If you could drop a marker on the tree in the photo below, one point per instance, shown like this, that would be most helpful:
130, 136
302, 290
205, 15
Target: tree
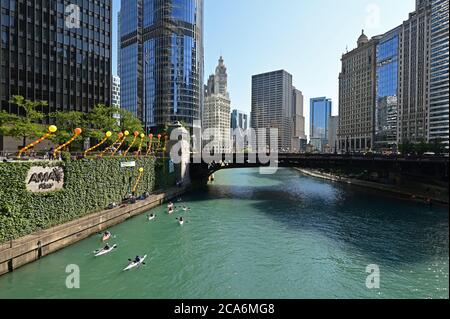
129, 122
29, 124
66, 123
101, 119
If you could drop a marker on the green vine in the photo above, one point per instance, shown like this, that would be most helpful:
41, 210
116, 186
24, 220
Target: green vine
89, 186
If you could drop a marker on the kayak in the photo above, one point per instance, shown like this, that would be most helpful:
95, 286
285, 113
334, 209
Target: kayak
171, 211
181, 222
151, 218
102, 251
134, 264
106, 237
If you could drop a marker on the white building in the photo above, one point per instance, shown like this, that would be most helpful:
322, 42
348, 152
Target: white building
115, 96
216, 112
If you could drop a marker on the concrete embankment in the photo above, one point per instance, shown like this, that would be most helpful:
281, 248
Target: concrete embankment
394, 189
27, 249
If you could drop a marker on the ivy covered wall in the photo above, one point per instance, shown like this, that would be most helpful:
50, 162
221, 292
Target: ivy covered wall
89, 186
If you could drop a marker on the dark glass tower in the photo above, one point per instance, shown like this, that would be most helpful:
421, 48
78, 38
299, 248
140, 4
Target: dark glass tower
46, 55
161, 60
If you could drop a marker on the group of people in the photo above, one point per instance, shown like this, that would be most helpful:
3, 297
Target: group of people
171, 209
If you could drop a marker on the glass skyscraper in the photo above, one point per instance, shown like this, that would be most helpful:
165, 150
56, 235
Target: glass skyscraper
386, 109
239, 119
161, 60
320, 113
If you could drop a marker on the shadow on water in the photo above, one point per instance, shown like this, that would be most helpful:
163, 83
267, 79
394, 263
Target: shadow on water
378, 226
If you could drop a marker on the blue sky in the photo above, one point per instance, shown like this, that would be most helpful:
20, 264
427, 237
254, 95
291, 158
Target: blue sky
304, 37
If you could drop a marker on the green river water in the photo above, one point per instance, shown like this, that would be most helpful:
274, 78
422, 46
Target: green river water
259, 236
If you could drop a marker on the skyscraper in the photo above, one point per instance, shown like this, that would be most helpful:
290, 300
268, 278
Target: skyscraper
272, 107
216, 112
332, 144
161, 60
298, 119
320, 113
56, 52
413, 99
357, 96
386, 110
439, 72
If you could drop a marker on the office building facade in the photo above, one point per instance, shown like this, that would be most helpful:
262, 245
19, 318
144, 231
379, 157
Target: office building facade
272, 109
413, 93
57, 52
320, 113
298, 119
439, 72
357, 96
386, 109
161, 60
332, 140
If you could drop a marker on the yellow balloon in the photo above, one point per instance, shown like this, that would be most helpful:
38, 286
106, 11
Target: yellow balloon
108, 134
142, 135
126, 133
141, 169
52, 128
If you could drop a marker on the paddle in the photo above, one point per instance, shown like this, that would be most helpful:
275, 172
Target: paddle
142, 263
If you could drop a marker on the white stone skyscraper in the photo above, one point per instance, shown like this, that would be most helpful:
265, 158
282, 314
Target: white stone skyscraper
216, 113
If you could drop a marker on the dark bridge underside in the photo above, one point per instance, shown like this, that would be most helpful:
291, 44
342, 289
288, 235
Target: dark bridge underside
422, 169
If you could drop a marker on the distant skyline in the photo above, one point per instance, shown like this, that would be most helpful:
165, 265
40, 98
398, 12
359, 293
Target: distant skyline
305, 38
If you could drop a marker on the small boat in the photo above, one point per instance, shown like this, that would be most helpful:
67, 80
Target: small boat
135, 264
103, 251
106, 236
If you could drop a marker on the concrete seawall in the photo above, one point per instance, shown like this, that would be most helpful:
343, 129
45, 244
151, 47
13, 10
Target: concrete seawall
377, 186
34, 246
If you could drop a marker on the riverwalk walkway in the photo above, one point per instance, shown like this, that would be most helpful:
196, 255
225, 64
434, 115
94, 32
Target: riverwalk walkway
16, 253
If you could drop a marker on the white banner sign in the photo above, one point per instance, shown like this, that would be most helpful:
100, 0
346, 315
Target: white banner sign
128, 164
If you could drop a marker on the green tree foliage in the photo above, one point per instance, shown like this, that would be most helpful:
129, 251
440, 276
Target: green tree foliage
102, 119
28, 125
422, 147
129, 122
66, 123
94, 124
